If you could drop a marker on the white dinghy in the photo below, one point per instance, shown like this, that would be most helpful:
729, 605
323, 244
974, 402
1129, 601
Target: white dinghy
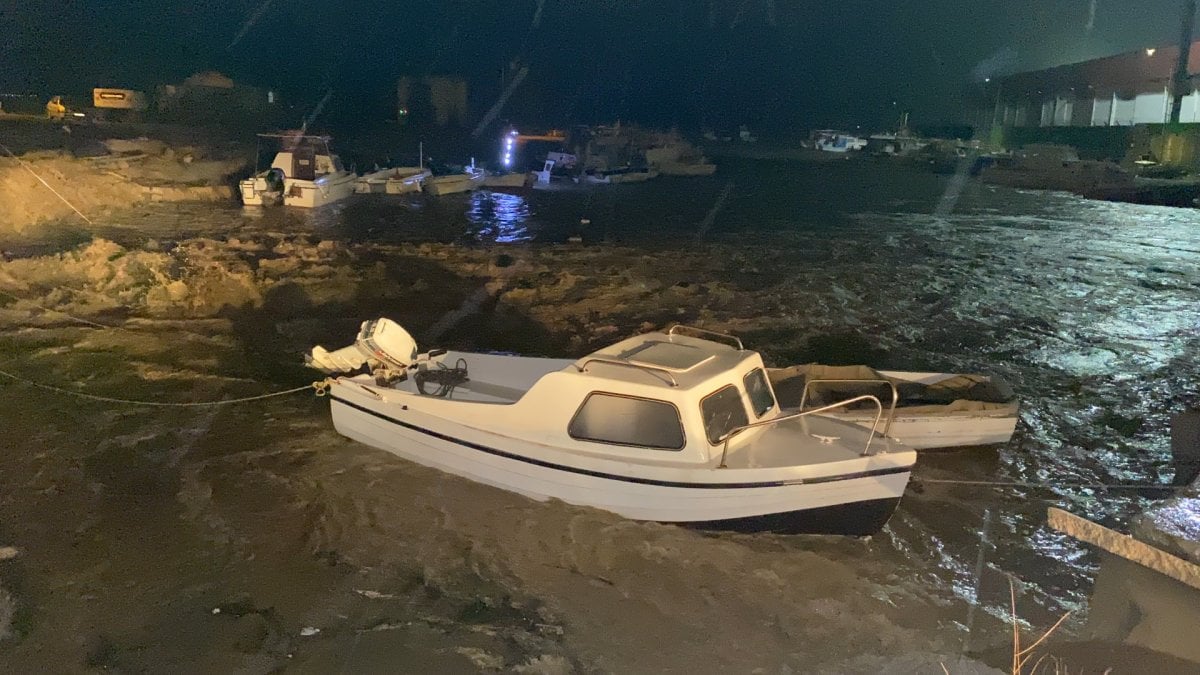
660, 427
931, 410
397, 180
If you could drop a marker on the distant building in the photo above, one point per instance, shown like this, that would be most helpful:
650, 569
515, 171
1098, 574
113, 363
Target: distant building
1122, 90
212, 98
432, 100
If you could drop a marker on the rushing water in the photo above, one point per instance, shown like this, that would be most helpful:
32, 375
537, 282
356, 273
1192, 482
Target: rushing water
1090, 309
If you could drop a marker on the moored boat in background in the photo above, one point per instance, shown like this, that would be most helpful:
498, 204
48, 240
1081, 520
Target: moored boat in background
305, 173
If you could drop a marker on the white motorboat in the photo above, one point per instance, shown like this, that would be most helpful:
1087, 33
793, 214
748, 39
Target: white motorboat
666, 427
394, 181
932, 410
470, 179
304, 173
510, 181
833, 141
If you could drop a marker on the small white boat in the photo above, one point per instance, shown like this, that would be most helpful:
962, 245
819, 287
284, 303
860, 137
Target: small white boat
932, 410
305, 174
470, 179
507, 180
394, 181
407, 179
660, 427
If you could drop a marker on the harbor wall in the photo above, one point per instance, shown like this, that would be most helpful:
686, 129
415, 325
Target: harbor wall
1136, 605
1176, 145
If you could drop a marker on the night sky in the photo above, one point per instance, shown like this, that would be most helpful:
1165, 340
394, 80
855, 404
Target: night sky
781, 64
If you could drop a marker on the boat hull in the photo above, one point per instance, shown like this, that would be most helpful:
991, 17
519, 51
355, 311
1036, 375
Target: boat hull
857, 503
299, 193
315, 194
857, 519
448, 185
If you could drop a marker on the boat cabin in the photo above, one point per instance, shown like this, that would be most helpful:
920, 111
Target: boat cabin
306, 164
662, 397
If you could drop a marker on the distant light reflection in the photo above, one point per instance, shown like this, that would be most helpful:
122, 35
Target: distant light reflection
499, 216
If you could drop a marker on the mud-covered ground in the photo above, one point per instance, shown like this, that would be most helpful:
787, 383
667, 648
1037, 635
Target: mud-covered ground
250, 536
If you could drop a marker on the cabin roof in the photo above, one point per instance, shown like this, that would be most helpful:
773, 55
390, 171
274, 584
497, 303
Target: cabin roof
657, 359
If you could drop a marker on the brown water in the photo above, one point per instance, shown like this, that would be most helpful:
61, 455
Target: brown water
135, 524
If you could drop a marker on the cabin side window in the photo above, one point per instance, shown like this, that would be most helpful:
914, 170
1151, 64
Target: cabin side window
723, 412
627, 420
759, 391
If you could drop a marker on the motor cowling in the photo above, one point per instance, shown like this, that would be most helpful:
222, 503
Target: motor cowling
381, 343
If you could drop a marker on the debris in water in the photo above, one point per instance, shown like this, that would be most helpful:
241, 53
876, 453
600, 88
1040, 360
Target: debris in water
8, 552
309, 631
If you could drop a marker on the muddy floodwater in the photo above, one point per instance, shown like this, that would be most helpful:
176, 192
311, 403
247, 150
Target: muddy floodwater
252, 538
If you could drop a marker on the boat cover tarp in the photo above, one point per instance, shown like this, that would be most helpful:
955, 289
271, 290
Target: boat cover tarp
955, 393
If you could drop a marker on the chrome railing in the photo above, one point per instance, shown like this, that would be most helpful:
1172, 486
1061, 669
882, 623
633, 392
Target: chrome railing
627, 364
891, 410
705, 331
784, 418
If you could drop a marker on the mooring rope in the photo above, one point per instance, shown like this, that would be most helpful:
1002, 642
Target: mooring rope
1045, 486
72, 317
320, 386
28, 168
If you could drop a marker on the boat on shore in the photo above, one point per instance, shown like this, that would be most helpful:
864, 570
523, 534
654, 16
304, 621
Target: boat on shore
680, 426
304, 173
929, 410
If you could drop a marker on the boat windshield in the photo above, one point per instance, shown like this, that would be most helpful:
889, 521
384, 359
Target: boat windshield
723, 412
761, 398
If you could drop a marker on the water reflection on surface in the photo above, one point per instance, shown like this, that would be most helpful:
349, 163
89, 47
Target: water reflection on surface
499, 216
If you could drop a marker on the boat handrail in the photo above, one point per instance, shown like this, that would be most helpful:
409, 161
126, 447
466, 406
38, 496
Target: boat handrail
784, 418
627, 364
891, 411
735, 338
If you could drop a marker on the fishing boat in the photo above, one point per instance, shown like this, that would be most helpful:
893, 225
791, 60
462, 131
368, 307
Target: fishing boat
394, 181
930, 410
304, 173
469, 179
679, 426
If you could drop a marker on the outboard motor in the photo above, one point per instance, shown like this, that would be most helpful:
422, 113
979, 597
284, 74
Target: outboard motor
381, 344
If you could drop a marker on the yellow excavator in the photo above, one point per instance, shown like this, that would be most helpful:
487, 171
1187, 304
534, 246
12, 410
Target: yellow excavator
57, 110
